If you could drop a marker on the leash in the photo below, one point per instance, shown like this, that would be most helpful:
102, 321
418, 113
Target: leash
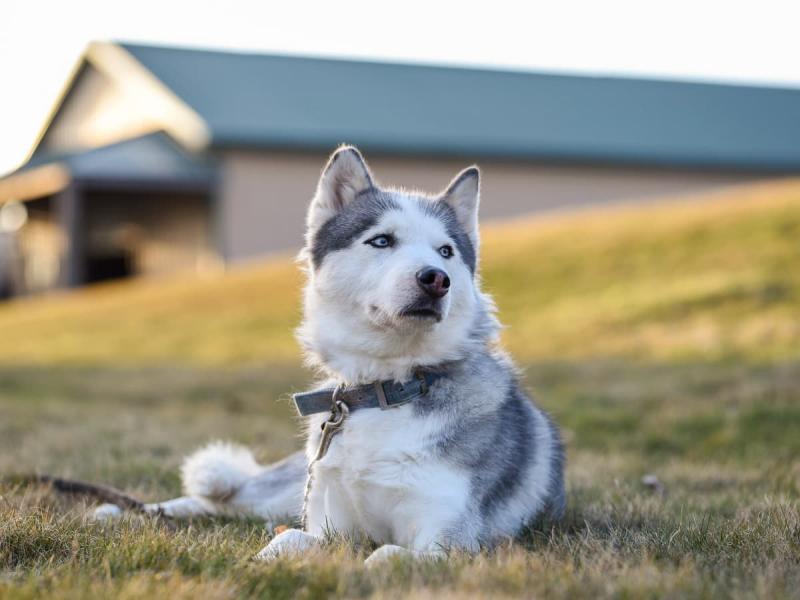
104, 493
332, 425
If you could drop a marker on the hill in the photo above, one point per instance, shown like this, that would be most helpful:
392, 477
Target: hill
708, 277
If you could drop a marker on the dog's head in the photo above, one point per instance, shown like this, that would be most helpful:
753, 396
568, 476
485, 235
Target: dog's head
391, 272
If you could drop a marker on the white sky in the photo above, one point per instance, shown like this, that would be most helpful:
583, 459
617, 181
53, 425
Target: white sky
727, 40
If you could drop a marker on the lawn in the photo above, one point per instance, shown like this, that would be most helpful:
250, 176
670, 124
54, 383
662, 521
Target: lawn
664, 339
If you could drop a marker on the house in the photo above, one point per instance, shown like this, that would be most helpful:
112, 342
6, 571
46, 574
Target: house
160, 159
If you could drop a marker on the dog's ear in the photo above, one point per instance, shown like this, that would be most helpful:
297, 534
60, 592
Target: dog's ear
463, 196
344, 177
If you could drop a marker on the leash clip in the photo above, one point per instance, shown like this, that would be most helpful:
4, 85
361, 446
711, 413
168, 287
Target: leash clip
333, 424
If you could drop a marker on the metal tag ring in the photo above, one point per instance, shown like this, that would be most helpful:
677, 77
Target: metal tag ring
342, 410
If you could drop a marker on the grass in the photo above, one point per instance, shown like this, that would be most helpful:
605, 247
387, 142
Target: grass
665, 340
718, 279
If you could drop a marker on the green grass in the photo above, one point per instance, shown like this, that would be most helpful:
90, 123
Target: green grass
664, 340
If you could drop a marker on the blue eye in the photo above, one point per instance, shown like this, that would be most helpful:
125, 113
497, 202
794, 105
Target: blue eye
446, 251
381, 241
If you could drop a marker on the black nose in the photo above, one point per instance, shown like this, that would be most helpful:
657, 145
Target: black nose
433, 281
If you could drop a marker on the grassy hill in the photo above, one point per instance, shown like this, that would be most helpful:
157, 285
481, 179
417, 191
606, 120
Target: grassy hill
664, 340
708, 278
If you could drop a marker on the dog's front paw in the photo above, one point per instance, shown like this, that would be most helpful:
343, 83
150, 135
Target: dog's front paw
386, 553
291, 542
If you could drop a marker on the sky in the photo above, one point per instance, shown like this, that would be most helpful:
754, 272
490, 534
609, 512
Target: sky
729, 40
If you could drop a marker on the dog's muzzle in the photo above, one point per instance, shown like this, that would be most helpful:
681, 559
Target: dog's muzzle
424, 308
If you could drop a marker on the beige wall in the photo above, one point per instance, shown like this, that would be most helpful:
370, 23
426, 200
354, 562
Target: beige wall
41, 246
263, 195
162, 232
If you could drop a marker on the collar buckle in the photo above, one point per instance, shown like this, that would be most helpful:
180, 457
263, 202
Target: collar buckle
423, 382
381, 394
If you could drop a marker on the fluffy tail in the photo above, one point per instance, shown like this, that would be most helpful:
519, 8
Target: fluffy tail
229, 476
218, 471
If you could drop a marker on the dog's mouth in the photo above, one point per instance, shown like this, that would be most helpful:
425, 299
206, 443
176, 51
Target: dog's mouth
420, 312
423, 311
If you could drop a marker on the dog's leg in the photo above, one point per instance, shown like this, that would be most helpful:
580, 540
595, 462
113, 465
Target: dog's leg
225, 480
275, 494
434, 534
386, 553
229, 479
328, 512
389, 551
177, 508
182, 508
291, 543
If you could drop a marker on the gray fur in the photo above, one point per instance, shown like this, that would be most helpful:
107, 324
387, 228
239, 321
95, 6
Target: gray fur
445, 213
500, 471
346, 175
468, 173
493, 433
282, 478
339, 232
557, 502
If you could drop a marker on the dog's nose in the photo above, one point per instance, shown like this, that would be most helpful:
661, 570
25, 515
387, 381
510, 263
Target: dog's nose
433, 281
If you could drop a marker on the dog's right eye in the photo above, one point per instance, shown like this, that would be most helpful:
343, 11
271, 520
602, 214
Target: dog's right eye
381, 241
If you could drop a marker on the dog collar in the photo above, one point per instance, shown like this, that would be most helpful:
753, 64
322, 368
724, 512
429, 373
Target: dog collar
380, 394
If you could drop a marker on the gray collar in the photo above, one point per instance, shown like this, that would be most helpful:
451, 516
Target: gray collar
380, 394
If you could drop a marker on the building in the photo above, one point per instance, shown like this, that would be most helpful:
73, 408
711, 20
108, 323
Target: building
161, 159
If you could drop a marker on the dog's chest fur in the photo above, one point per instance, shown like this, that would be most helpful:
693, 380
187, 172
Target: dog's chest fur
384, 475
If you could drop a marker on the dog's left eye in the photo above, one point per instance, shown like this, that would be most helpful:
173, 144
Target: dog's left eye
381, 241
446, 251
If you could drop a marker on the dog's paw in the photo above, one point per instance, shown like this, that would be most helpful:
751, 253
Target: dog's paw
106, 512
386, 553
291, 543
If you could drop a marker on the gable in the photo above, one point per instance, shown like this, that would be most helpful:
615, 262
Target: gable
95, 112
111, 98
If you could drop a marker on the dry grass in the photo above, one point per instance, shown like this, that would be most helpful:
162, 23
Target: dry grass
697, 279
665, 340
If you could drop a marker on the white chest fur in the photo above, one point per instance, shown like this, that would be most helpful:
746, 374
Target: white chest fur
382, 476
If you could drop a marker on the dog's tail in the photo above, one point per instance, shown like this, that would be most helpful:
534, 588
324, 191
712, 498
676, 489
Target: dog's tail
229, 476
217, 471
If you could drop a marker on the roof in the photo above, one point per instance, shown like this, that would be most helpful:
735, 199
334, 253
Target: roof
149, 160
310, 103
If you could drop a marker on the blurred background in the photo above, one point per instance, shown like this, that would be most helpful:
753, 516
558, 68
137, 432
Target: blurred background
155, 140
640, 232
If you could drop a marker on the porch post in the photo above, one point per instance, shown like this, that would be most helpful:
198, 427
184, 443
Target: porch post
70, 212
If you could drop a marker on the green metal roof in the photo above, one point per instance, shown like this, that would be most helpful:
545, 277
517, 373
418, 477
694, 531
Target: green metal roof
149, 159
310, 103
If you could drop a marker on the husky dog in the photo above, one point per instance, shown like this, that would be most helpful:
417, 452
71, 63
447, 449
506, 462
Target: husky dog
439, 447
